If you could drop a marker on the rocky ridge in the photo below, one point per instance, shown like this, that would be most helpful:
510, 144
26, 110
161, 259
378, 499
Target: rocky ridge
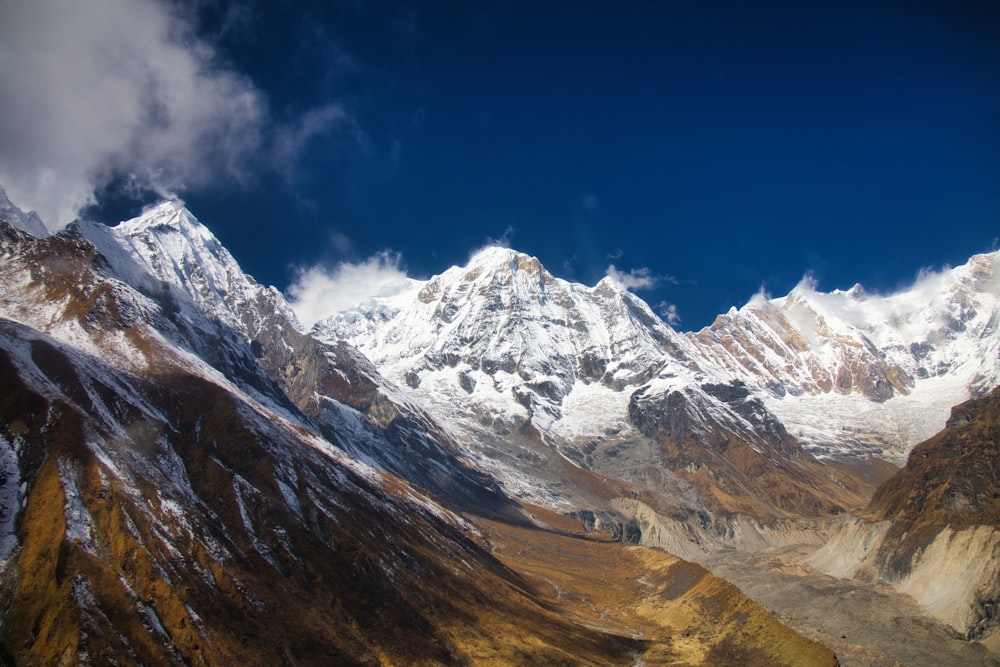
167, 251
512, 344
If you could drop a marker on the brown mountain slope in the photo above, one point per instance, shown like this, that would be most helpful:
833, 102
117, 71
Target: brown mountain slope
682, 614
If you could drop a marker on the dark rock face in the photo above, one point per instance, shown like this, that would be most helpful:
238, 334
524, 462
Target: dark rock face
661, 418
707, 417
737, 396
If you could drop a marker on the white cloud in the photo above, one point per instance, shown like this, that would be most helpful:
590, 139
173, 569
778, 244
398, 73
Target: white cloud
668, 311
319, 292
641, 278
91, 88
106, 88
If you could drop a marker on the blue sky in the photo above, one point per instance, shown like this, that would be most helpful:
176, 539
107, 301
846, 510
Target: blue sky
704, 150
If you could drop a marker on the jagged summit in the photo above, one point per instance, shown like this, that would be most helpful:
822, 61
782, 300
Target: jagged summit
167, 247
170, 230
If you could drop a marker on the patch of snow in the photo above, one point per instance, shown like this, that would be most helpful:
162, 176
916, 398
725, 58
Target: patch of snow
79, 523
150, 619
290, 498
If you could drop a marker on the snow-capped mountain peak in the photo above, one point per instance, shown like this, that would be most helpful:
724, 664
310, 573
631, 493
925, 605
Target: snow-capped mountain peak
500, 345
496, 255
503, 312
168, 248
181, 250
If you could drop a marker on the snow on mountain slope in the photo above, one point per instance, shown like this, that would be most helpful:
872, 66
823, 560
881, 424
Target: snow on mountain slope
540, 377
157, 512
504, 334
850, 372
521, 365
169, 245
534, 375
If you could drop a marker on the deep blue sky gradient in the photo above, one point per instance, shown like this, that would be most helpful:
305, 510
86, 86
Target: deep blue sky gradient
725, 146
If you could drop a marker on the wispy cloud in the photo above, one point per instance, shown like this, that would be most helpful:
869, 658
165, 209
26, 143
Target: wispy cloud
569, 265
642, 278
126, 88
289, 141
319, 292
638, 279
668, 311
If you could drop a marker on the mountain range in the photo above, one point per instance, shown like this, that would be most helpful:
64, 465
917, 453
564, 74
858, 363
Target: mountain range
491, 465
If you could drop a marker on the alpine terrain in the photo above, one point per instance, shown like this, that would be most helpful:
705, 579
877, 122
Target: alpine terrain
492, 466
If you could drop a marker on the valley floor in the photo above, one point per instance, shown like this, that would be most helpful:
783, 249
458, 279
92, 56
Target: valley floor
867, 625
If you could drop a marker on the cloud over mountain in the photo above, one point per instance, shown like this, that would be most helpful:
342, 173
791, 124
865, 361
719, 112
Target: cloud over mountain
319, 292
641, 278
127, 88
115, 86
